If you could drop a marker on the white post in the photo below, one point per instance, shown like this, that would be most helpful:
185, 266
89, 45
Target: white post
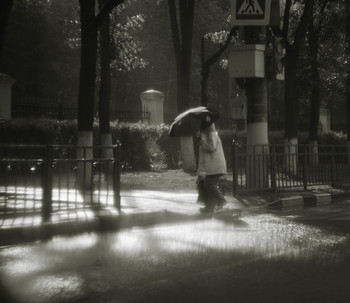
152, 101
257, 155
188, 158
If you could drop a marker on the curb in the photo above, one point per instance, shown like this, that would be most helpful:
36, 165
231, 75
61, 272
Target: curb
305, 201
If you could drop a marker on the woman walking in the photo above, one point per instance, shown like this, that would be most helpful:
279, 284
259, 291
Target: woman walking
211, 166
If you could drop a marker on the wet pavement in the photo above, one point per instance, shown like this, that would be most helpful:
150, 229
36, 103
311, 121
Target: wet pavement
139, 207
144, 207
171, 253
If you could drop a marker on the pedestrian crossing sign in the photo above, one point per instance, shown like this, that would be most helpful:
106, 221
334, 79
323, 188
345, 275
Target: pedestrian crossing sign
250, 12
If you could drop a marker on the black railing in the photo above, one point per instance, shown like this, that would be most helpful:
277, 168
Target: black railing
276, 167
50, 111
37, 179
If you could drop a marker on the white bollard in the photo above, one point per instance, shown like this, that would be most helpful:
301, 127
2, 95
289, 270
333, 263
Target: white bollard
152, 102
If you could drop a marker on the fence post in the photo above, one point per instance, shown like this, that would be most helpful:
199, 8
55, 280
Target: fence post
234, 168
47, 184
305, 166
116, 176
333, 166
273, 168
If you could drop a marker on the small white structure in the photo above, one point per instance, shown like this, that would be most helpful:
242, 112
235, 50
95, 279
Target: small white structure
6, 83
152, 102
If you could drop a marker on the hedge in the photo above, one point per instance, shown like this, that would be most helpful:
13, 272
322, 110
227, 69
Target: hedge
144, 146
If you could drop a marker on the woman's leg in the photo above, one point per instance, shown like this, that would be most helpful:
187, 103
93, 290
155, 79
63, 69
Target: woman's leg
202, 194
215, 197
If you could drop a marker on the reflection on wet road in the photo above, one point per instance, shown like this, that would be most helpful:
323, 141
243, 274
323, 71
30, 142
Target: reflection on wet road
210, 260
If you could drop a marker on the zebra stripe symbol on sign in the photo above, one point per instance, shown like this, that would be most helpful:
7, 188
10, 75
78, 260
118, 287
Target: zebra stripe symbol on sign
251, 12
250, 7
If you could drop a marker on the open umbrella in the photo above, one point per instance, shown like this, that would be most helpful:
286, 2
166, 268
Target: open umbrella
190, 121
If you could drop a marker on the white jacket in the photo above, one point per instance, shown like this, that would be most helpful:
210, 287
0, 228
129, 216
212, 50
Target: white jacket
211, 159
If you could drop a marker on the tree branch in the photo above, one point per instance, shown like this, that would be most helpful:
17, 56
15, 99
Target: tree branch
183, 19
302, 28
106, 9
190, 17
285, 27
174, 28
210, 61
218, 54
323, 8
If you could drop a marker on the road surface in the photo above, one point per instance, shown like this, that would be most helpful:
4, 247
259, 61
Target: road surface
294, 256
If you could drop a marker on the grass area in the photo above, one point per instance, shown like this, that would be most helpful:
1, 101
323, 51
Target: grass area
166, 180
162, 180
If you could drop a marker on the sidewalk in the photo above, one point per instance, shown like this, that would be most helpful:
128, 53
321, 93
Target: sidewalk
144, 207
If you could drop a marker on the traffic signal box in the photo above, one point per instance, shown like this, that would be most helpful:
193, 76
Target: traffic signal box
275, 58
278, 53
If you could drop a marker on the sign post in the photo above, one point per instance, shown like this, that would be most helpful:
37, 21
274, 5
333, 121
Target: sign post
257, 127
253, 16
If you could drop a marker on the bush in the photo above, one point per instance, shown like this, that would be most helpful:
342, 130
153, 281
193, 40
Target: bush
144, 146
37, 131
332, 138
140, 150
336, 138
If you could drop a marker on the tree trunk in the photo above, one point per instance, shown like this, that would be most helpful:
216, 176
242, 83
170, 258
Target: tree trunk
205, 76
315, 90
183, 88
5, 9
257, 134
105, 85
290, 94
315, 93
87, 66
347, 53
291, 122
86, 88
182, 40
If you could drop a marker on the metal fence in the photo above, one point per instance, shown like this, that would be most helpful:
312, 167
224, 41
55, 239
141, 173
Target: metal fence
50, 111
42, 180
276, 167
